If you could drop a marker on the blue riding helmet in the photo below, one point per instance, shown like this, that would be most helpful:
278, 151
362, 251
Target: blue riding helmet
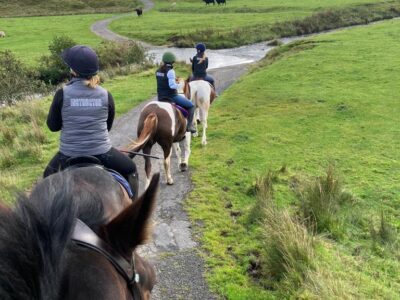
82, 59
201, 47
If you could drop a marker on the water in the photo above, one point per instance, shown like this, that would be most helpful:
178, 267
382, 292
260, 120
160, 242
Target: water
223, 57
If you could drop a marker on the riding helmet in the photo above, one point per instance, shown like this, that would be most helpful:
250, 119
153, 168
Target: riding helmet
201, 47
82, 59
168, 58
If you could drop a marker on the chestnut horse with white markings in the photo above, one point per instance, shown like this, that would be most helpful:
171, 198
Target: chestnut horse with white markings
201, 93
164, 124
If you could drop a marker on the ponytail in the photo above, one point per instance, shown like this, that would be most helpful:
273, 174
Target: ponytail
93, 81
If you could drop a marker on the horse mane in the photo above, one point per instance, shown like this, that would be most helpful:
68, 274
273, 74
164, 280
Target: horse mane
35, 233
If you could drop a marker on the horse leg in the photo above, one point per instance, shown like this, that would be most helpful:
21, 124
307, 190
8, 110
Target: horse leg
147, 164
186, 152
178, 152
204, 123
167, 165
196, 118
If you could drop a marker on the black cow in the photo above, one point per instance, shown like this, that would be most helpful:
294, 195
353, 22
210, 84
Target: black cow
139, 11
221, 2
209, 2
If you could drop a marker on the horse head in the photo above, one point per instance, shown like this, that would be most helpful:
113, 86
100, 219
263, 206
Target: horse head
39, 257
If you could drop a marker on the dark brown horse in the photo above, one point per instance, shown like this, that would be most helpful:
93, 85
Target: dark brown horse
162, 123
43, 254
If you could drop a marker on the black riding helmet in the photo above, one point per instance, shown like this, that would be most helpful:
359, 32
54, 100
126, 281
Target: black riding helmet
82, 59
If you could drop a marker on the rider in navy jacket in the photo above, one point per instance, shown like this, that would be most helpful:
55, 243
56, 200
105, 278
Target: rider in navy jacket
200, 65
167, 88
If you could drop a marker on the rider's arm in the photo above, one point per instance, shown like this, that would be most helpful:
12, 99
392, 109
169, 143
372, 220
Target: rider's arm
54, 118
206, 63
171, 80
111, 111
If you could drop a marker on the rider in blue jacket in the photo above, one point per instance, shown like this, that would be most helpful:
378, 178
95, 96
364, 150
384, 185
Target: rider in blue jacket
167, 88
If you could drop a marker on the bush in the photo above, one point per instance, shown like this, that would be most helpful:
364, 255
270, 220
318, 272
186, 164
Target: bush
320, 203
16, 80
52, 69
113, 54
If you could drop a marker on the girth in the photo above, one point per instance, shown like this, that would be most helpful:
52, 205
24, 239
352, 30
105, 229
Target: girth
85, 237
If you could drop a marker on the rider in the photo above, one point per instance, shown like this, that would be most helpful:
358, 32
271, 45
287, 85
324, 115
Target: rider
167, 88
200, 65
84, 112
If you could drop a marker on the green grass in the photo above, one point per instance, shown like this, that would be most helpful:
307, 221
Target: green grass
29, 37
241, 21
56, 7
330, 100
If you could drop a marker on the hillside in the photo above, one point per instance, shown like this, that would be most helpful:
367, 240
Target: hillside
57, 7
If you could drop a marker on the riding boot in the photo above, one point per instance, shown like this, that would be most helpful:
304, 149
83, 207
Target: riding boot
133, 180
190, 126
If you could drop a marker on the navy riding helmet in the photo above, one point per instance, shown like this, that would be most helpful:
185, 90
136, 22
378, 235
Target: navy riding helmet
201, 47
82, 59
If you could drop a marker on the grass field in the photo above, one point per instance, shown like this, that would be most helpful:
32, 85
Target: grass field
331, 100
65, 7
241, 21
29, 37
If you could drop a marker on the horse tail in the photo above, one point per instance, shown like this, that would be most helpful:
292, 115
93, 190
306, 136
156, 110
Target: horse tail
149, 129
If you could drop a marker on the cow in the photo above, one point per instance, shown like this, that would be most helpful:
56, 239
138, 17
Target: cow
139, 11
209, 2
221, 2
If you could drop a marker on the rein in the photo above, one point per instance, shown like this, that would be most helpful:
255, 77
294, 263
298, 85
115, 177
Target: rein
85, 237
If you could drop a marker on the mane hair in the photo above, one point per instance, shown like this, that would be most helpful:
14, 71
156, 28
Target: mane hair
34, 234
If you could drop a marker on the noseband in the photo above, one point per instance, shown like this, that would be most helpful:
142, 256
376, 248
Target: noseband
85, 237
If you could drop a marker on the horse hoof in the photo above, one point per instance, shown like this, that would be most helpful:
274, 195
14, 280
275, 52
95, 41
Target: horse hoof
203, 143
183, 167
195, 134
170, 182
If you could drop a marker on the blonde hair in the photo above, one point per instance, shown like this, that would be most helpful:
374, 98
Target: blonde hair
203, 58
93, 81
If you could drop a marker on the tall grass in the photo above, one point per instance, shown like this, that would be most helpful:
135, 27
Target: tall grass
320, 204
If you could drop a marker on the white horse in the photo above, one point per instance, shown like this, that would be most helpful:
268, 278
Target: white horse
200, 92
2, 34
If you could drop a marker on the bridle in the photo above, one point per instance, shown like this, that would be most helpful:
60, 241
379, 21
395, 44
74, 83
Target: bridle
85, 237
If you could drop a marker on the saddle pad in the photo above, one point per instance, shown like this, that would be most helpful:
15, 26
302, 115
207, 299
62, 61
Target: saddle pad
184, 112
121, 180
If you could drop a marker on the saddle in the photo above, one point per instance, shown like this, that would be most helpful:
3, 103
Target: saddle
184, 111
91, 161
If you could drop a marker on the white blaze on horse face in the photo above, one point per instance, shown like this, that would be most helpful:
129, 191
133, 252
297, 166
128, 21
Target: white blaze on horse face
169, 109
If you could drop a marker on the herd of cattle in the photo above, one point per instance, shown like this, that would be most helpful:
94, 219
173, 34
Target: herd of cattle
213, 2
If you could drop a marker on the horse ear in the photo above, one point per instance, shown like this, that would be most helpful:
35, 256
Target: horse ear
130, 228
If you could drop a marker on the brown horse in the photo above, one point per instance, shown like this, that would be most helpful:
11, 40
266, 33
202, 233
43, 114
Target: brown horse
74, 238
164, 124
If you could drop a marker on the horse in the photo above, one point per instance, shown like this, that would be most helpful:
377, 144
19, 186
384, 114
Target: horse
2, 34
221, 2
162, 123
201, 93
209, 2
139, 11
74, 237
